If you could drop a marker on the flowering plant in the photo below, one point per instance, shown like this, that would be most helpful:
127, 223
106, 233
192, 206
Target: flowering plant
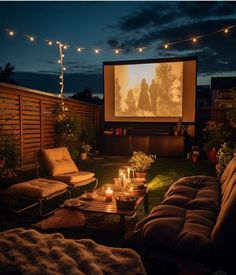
225, 154
85, 148
140, 161
215, 134
8, 176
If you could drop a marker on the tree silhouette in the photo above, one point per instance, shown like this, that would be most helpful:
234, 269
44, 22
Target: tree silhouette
7, 73
87, 96
118, 97
165, 80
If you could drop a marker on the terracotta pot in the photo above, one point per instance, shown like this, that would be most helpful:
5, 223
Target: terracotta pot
212, 156
83, 156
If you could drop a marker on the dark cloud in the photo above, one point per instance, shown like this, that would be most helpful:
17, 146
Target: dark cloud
176, 21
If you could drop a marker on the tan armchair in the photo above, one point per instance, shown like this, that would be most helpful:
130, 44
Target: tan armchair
59, 166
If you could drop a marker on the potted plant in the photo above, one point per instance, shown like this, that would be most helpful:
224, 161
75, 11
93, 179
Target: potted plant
10, 156
225, 154
231, 113
141, 163
84, 150
214, 134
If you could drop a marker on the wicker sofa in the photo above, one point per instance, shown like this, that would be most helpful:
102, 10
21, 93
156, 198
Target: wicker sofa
196, 220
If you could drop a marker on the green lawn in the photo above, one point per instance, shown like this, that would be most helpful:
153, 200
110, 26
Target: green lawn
160, 176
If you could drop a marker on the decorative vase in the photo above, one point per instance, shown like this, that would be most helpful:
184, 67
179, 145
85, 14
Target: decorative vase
83, 156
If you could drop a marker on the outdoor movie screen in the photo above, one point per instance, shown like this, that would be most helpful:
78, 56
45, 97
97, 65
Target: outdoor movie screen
150, 90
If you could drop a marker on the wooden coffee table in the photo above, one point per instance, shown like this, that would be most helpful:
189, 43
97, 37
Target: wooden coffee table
99, 205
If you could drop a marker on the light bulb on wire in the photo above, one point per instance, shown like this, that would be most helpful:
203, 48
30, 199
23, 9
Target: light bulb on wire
11, 33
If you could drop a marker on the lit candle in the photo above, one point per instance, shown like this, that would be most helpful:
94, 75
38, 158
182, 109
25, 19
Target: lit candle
128, 171
109, 194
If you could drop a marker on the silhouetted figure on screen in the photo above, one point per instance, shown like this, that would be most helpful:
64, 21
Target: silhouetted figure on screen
153, 96
144, 101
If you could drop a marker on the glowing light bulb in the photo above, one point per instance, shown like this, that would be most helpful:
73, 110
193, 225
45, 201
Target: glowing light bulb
58, 42
117, 51
50, 43
194, 40
63, 55
140, 50
226, 30
97, 51
60, 77
61, 83
31, 38
79, 49
59, 61
64, 68
166, 46
66, 109
59, 95
11, 33
65, 47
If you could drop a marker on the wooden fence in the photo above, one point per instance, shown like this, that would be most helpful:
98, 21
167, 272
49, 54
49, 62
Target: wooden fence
30, 115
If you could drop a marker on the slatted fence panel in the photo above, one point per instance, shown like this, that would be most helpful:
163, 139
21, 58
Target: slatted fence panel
31, 116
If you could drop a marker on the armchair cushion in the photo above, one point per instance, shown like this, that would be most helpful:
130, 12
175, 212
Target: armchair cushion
37, 188
58, 161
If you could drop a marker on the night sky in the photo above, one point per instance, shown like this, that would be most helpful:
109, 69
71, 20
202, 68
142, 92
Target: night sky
108, 25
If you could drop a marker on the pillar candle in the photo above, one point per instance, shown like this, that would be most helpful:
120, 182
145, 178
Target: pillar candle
109, 194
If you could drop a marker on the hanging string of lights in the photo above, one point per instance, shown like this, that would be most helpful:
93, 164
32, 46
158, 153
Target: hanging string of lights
61, 47
64, 46
166, 45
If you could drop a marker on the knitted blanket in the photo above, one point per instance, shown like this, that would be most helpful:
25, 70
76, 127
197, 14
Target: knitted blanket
30, 252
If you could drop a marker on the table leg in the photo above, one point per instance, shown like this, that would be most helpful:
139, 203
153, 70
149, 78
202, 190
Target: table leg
146, 203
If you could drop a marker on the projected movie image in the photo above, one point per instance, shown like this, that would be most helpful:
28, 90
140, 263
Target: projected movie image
149, 90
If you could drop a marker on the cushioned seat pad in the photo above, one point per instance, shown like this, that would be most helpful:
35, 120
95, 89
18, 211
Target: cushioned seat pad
74, 178
184, 220
37, 188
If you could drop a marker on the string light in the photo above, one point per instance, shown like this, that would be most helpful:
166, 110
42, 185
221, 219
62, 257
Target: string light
117, 51
140, 50
226, 30
31, 38
79, 49
11, 33
97, 51
194, 40
166, 46
65, 47
50, 43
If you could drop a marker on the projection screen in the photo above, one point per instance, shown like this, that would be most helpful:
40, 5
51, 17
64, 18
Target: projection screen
150, 90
